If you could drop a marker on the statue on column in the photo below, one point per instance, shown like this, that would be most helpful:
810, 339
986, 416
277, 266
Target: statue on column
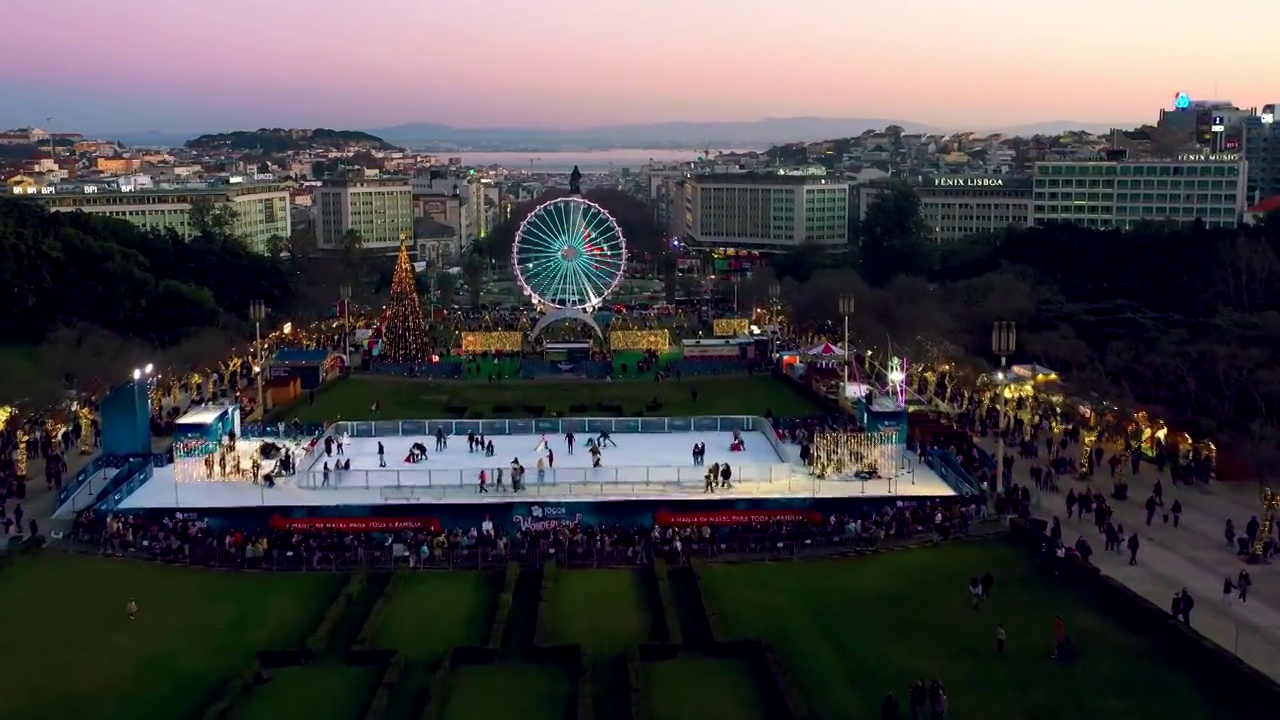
575, 181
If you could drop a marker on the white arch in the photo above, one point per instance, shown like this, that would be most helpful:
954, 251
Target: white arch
566, 313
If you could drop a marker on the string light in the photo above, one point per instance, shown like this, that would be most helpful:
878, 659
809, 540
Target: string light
731, 327
492, 341
1086, 451
20, 453
1270, 503
404, 336
657, 340
837, 453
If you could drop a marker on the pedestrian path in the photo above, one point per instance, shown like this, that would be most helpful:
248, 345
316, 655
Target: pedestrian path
1193, 555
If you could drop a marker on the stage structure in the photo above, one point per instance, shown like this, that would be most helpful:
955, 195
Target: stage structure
126, 419
202, 450
864, 455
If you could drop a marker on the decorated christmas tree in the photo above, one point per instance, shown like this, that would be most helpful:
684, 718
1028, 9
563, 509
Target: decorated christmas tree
404, 335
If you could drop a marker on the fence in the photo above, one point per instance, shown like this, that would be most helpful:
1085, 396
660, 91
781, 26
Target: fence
389, 557
604, 480
555, 426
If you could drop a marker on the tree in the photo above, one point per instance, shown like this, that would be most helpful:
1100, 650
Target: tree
88, 359
446, 287
404, 336
212, 222
352, 247
200, 351
892, 236
301, 246
473, 271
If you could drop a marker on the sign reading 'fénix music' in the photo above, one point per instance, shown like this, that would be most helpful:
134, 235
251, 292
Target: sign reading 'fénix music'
965, 181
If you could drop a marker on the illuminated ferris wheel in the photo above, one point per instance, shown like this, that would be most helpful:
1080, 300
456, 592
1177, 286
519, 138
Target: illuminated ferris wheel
569, 252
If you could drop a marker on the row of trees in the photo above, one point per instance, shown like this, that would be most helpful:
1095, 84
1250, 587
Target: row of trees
1179, 317
98, 295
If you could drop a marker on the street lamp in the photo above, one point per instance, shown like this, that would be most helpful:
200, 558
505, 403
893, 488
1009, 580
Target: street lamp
258, 313
846, 309
138, 385
1004, 336
345, 291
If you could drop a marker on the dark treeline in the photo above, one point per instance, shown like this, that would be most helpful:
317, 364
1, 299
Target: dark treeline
103, 287
1178, 317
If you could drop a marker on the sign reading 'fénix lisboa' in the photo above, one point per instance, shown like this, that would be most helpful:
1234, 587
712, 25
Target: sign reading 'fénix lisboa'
966, 181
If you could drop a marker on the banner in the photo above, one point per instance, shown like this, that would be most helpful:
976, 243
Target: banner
354, 524
666, 518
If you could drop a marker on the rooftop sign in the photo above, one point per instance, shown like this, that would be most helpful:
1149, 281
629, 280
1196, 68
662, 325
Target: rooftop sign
82, 190
964, 181
1209, 157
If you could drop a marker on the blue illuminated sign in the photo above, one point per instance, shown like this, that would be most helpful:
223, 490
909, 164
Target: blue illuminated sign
1182, 101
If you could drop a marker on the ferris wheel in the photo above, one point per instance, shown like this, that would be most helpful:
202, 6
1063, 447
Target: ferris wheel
569, 252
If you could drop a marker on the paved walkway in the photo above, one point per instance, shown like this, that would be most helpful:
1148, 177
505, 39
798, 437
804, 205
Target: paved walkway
1193, 555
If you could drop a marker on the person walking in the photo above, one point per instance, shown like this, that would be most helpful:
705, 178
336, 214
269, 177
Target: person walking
1133, 544
382, 455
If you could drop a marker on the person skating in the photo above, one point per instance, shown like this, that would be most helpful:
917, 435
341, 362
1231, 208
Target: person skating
568, 440
382, 455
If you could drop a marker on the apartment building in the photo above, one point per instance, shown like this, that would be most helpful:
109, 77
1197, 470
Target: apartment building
765, 212
261, 211
1262, 152
380, 209
1119, 194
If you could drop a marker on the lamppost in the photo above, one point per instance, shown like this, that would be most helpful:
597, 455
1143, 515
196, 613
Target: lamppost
846, 309
345, 292
775, 291
258, 313
1004, 336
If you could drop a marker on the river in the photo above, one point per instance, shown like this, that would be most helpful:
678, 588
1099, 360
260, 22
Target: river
597, 161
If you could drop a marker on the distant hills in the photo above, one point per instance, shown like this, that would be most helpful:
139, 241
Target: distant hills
277, 141
716, 135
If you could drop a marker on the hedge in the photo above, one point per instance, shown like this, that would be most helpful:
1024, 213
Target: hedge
714, 621
439, 683
222, 707
546, 613
502, 615
386, 688
667, 598
378, 613
635, 678
323, 635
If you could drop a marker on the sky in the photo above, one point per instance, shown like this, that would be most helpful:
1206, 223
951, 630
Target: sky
175, 65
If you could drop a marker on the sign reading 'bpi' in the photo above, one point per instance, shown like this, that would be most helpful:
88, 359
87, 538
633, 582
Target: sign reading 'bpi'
965, 181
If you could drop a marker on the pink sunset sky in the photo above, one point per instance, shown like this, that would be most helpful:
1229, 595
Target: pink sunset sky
223, 64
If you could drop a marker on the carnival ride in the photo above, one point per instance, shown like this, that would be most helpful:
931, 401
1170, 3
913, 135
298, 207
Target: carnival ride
569, 253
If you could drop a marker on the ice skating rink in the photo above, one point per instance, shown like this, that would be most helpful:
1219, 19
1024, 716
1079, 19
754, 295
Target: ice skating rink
641, 466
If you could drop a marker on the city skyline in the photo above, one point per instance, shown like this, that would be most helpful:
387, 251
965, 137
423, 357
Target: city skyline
570, 64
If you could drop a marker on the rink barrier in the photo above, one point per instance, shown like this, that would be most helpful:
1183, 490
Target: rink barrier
427, 483
558, 426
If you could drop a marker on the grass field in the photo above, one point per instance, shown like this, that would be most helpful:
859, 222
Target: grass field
315, 692
405, 399
852, 631
73, 652
848, 631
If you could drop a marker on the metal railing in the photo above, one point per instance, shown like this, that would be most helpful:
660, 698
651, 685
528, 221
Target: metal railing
553, 426
658, 476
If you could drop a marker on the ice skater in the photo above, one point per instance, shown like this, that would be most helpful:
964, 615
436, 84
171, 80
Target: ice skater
382, 455
471, 442
605, 439
542, 447
441, 442
568, 440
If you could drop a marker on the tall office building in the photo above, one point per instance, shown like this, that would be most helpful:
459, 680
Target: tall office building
765, 212
1262, 152
380, 209
957, 206
261, 211
1119, 194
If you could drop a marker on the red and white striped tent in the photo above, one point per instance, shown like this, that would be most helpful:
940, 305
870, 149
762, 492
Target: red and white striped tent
824, 350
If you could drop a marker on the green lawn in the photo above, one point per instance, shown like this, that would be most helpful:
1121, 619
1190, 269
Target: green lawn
527, 692
315, 692
691, 687
431, 612
851, 631
602, 610
405, 399
73, 652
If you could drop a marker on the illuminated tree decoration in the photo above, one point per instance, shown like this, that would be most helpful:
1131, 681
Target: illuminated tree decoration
404, 334
569, 252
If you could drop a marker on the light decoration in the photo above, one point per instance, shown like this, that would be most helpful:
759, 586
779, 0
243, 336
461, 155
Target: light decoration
1087, 440
874, 454
199, 459
85, 416
569, 252
20, 453
404, 336
731, 327
897, 375
492, 341
1270, 503
656, 340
